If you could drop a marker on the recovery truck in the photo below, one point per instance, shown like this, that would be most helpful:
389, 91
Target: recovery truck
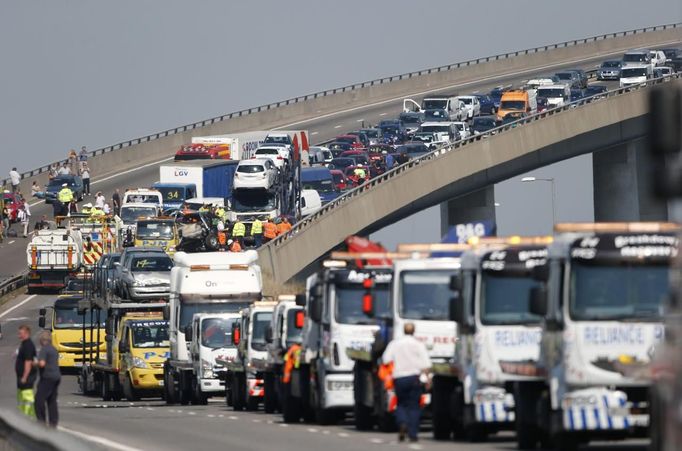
601, 301
205, 282
420, 294
497, 362
283, 332
319, 385
157, 232
52, 255
100, 235
211, 340
245, 379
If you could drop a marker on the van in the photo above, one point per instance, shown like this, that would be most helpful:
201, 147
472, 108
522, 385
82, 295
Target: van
635, 75
636, 58
556, 95
517, 102
319, 179
310, 202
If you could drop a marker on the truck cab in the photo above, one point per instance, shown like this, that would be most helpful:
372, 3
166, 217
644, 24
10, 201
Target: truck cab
157, 232
518, 101
211, 340
635, 74
443, 132
602, 307
143, 196
52, 255
174, 194
131, 212
557, 95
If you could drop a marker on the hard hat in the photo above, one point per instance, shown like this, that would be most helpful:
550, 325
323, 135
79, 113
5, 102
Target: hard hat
88, 205
384, 152
64, 185
230, 241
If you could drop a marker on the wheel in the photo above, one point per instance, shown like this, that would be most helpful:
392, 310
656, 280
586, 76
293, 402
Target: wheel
199, 398
252, 403
657, 432
364, 421
212, 242
106, 390
129, 391
291, 406
238, 402
184, 392
527, 436
168, 386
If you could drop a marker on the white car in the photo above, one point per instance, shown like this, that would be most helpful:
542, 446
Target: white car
259, 173
635, 75
143, 196
463, 129
472, 107
278, 155
278, 139
657, 57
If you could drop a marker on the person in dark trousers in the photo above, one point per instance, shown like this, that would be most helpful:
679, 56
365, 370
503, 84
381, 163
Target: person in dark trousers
26, 374
410, 362
48, 386
116, 201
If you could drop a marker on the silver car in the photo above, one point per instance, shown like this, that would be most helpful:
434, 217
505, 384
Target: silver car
609, 70
146, 277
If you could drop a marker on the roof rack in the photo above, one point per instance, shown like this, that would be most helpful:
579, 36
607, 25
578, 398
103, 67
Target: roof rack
617, 227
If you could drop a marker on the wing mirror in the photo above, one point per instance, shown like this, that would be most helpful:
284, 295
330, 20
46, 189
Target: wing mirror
268, 334
300, 300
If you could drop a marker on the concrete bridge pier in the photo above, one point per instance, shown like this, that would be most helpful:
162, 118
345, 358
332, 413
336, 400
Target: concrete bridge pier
476, 206
622, 184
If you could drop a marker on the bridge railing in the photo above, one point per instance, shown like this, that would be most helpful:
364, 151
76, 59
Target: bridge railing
304, 224
379, 81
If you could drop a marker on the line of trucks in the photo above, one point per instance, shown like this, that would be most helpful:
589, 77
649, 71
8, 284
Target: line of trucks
551, 337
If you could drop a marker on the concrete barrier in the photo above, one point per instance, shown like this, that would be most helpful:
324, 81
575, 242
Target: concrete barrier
148, 149
18, 433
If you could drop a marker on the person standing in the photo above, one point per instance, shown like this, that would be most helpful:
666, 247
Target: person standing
65, 196
410, 361
85, 175
26, 374
238, 232
257, 232
46, 395
100, 200
284, 226
24, 216
64, 170
15, 179
390, 161
116, 200
270, 230
83, 155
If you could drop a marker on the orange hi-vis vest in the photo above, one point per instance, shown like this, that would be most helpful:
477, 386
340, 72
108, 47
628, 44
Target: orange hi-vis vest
292, 359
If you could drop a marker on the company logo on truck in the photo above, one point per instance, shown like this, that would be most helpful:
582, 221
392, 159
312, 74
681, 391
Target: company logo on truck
181, 172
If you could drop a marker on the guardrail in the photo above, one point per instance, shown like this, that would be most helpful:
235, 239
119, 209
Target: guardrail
12, 283
302, 225
379, 81
18, 433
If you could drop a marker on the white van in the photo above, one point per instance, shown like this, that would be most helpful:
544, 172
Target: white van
635, 75
310, 202
556, 95
143, 196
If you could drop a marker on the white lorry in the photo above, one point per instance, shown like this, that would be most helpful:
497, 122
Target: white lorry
634, 75
51, 255
243, 145
602, 307
208, 282
557, 95
211, 340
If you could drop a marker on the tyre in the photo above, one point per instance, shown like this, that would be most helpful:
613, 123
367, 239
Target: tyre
212, 243
441, 397
291, 406
527, 436
199, 398
129, 391
252, 403
168, 386
106, 388
238, 402
184, 390
270, 397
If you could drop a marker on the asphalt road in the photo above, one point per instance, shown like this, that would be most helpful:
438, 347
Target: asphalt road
12, 253
151, 425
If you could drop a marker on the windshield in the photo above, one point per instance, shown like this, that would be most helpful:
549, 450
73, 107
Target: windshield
130, 214
413, 148
611, 64
187, 310
267, 152
551, 93
348, 305
148, 264
294, 334
408, 118
261, 321
481, 122
371, 133
505, 300
172, 194
518, 105
141, 198
434, 104
346, 139
435, 129
436, 115
69, 318
321, 186
617, 292
634, 57
278, 140
250, 168
338, 178
154, 230
58, 182
466, 100
217, 332
252, 200
564, 75
425, 294
639, 72
150, 334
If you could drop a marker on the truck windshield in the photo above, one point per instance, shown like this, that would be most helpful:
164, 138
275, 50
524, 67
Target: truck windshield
434, 104
150, 334
148, 264
154, 230
131, 214
172, 194
638, 72
321, 186
349, 303
142, 198
217, 332
504, 299
277, 139
187, 310
551, 93
245, 200
623, 292
261, 321
293, 333
634, 58
69, 318
516, 105
425, 294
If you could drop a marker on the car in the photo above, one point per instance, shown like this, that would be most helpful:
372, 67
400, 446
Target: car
576, 94
671, 53
427, 138
353, 140
463, 129
636, 58
105, 279
663, 71
146, 276
582, 76
143, 196
413, 149
341, 163
362, 136
360, 156
373, 135
392, 130
278, 155
570, 78
595, 91
378, 149
340, 180
133, 211
411, 120
319, 155
471, 106
337, 148
278, 139
487, 103
635, 75
609, 70
657, 57
13, 203
543, 80
482, 124
496, 95
126, 255
260, 173
74, 182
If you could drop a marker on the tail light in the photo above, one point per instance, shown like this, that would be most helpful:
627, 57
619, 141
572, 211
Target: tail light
69, 257
34, 257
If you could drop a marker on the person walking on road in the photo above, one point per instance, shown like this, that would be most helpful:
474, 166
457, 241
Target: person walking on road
65, 196
411, 361
26, 374
24, 216
46, 395
116, 201
100, 200
85, 175
15, 179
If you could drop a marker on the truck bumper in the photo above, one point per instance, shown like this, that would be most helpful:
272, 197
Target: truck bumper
212, 385
494, 405
150, 292
147, 379
602, 409
338, 391
256, 387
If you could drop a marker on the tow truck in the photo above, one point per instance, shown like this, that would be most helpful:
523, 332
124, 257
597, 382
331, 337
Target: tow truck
52, 255
601, 301
159, 232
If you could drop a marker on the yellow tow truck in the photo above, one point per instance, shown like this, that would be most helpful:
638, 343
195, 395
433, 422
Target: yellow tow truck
157, 232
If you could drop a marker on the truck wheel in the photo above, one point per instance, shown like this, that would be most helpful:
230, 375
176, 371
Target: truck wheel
129, 391
228, 397
168, 386
237, 393
441, 397
252, 403
270, 396
212, 243
656, 430
527, 436
199, 398
291, 406
106, 390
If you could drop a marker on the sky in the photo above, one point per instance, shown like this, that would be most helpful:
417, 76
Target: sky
95, 72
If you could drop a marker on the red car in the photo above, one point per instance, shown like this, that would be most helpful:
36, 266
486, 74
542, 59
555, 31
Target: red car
353, 140
13, 203
340, 179
203, 152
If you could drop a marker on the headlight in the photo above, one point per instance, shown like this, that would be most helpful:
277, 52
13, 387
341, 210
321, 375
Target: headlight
206, 365
139, 363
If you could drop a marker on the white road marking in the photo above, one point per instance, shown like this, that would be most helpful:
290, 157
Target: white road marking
18, 318
99, 440
325, 432
255, 420
232, 417
314, 133
383, 114
337, 126
210, 415
342, 434
18, 305
11, 242
150, 408
360, 120
284, 425
312, 430
221, 416
192, 413
416, 446
378, 441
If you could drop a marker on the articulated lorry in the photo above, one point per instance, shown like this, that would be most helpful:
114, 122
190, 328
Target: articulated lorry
208, 282
210, 178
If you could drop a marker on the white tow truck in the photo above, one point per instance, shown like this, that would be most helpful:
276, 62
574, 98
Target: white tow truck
602, 302
53, 254
208, 282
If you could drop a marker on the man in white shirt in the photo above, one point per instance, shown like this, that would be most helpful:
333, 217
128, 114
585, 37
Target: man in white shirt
15, 179
410, 360
100, 200
64, 170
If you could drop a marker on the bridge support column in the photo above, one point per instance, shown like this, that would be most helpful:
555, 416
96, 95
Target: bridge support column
473, 207
622, 185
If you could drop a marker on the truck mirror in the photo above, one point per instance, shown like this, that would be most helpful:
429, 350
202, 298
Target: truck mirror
457, 309
268, 334
300, 319
166, 312
300, 300
456, 283
538, 300
236, 334
42, 312
316, 309
108, 338
540, 273
41, 322
317, 291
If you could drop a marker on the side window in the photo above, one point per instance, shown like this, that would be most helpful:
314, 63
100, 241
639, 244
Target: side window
280, 325
303, 204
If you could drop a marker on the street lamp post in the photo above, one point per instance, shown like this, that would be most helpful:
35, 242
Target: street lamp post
551, 181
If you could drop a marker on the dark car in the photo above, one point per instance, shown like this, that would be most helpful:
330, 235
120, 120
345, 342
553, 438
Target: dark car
596, 91
609, 70
321, 180
337, 148
576, 94
393, 130
373, 134
340, 180
671, 53
487, 103
582, 76
482, 124
571, 78
496, 95
413, 149
353, 140
341, 163
74, 182
411, 120
359, 156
